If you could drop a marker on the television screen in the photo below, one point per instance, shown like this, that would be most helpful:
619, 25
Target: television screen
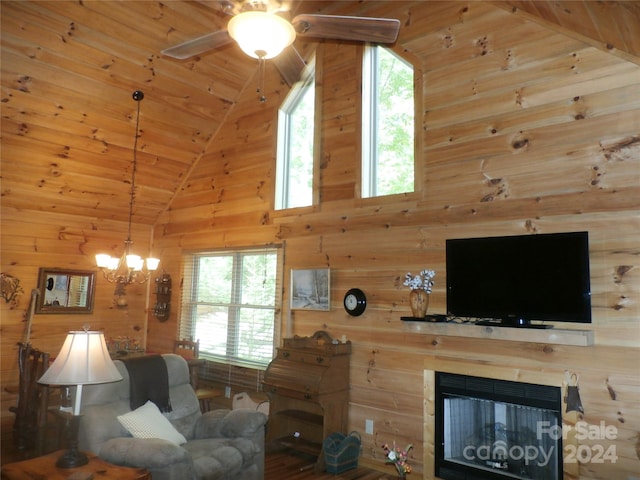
517, 279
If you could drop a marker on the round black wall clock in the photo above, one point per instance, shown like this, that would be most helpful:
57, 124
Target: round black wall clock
355, 302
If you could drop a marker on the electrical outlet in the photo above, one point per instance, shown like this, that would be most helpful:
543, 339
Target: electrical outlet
227, 392
368, 426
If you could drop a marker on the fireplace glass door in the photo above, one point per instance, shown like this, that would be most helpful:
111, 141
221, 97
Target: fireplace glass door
485, 431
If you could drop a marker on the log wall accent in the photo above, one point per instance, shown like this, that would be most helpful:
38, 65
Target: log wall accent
524, 130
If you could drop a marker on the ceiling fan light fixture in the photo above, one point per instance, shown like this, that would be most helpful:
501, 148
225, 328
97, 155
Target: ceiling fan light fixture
261, 35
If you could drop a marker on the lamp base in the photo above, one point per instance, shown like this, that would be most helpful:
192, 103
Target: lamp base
72, 459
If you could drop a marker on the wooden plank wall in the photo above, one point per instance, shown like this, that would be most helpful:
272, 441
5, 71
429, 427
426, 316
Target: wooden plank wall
65, 241
523, 131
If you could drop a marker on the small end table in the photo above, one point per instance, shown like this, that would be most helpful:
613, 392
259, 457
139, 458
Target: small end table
45, 467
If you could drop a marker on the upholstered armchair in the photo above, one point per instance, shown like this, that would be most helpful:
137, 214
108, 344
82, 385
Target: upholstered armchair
220, 444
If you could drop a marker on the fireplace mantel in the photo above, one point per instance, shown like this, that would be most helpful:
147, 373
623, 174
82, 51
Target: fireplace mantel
555, 336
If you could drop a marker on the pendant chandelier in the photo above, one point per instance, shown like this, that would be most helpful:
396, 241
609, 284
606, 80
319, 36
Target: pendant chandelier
129, 268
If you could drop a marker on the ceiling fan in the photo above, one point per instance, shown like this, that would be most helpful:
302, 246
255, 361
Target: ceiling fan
249, 16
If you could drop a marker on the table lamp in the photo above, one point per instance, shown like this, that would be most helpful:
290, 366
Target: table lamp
83, 360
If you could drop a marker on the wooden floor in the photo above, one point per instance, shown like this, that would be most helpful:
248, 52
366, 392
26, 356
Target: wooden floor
282, 465
288, 465
279, 464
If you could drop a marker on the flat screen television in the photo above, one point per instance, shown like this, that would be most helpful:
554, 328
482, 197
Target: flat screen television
513, 280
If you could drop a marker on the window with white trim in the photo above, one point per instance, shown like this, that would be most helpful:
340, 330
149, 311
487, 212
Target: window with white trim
388, 123
294, 164
231, 304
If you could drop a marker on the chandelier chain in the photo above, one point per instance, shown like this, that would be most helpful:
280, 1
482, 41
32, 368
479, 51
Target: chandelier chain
128, 268
133, 173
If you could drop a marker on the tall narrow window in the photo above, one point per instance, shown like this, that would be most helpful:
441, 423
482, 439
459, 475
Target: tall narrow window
388, 108
230, 304
294, 168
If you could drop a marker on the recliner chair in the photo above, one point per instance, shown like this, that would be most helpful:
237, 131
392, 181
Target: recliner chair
221, 444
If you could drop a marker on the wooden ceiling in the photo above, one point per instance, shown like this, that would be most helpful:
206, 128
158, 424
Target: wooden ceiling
69, 70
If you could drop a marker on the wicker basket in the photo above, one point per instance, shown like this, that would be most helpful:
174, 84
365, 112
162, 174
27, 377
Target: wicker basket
341, 452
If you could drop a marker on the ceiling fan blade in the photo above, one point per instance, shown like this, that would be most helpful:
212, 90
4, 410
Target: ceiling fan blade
198, 45
363, 29
290, 65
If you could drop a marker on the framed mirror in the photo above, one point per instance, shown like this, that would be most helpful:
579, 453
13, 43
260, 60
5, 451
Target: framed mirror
65, 291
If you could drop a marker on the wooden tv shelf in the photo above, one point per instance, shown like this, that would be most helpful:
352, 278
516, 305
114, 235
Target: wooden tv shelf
555, 336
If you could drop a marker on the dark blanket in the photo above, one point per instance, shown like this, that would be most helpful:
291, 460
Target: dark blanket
148, 380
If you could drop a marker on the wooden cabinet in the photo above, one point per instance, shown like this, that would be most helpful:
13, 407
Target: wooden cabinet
308, 388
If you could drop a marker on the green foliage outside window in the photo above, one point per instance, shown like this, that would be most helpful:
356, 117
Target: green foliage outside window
294, 168
388, 124
300, 185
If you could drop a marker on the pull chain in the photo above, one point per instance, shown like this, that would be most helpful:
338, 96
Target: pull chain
261, 71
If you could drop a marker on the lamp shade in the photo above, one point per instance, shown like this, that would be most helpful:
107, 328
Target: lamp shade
84, 359
261, 34
152, 263
102, 260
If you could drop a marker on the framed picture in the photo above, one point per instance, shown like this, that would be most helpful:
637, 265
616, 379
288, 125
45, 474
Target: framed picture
310, 289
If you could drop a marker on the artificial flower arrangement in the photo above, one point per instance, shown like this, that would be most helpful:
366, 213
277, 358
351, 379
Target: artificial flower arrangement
422, 281
398, 457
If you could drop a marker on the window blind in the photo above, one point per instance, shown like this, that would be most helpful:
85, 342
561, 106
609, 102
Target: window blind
231, 303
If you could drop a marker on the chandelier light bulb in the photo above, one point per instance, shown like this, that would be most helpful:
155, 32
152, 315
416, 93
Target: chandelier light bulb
260, 34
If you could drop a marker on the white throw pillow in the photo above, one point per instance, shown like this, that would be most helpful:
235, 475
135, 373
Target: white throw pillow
147, 422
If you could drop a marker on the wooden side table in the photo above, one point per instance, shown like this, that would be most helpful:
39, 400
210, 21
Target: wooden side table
45, 468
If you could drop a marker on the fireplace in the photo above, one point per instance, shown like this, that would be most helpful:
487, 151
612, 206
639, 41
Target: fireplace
496, 429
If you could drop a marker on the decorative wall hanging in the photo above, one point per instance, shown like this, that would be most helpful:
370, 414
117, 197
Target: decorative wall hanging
10, 288
163, 297
572, 399
310, 289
